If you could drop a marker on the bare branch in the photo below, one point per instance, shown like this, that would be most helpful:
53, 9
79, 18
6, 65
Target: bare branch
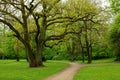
14, 30
38, 29
66, 19
51, 46
13, 16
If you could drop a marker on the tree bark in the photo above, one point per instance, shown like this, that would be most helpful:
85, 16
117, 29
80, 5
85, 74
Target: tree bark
3, 57
87, 43
81, 45
38, 57
17, 58
83, 56
34, 61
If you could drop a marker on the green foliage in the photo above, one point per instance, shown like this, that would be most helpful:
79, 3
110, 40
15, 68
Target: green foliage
62, 56
115, 30
80, 8
57, 16
49, 53
58, 52
115, 5
101, 51
114, 36
9, 48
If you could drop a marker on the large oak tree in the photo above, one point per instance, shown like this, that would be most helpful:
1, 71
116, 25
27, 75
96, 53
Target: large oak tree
43, 13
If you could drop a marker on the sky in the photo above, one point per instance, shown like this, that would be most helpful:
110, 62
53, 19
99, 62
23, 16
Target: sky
105, 3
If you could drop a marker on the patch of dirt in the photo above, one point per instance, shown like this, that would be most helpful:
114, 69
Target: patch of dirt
68, 73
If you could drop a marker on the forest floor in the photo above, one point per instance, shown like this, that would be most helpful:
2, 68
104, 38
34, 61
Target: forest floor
68, 73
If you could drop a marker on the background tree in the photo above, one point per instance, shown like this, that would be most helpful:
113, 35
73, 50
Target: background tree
114, 31
41, 24
44, 14
115, 36
115, 6
3, 40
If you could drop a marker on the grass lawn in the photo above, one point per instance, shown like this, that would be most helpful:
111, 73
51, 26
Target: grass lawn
12, 70
100, 70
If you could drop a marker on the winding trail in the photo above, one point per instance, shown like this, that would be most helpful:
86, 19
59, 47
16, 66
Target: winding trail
68, 73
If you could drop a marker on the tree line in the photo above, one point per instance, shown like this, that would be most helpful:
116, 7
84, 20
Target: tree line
73, 28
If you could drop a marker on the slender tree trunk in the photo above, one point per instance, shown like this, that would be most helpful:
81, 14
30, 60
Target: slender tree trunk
90, 46
80, 43
91, 52
3, 57
83, 56
72, 56
72, 50
17, 52
88, 51
17, 58
69, 49
87, 44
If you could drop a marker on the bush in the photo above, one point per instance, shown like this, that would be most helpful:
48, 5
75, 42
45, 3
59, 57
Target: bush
49, 54
61, 56
101, 55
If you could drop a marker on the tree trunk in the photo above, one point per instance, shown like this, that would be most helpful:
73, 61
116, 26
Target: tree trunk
71, 56
72, 50
80, 44
38, 57
88, 52
3, 57
89, 56
31, 58
87, 43
17, 58
83, 56
34, 59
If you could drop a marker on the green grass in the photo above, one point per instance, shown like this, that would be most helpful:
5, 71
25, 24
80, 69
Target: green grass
12, 70
100, 61
100, 70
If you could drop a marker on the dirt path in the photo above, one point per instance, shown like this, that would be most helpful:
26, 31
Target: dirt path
66, 74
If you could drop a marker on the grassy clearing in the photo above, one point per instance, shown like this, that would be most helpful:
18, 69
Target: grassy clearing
100, 61
100, 70
12, 70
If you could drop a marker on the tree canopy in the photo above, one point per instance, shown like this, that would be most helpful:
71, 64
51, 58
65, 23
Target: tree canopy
74, 26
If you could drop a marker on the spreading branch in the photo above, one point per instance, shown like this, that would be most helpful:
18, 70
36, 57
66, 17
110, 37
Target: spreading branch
17, 34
